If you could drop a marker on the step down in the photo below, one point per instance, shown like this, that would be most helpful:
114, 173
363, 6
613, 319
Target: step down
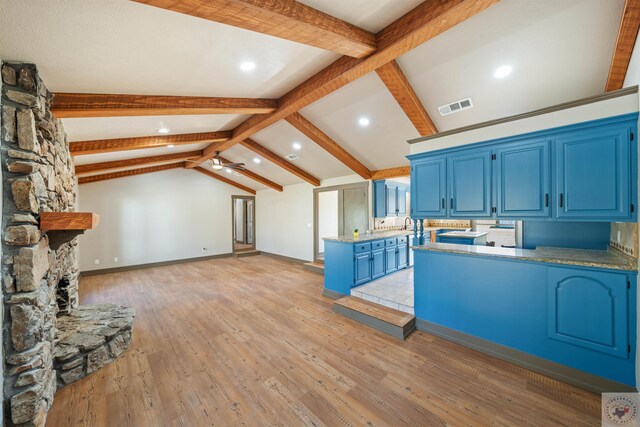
242, 254
314, 267
393, 322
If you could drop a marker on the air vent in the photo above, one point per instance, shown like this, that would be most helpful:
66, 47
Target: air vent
237, 174
292, 156
455, 107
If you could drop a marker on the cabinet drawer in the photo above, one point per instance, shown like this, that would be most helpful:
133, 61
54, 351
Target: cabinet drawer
402, 239
391, 242
377, 244
362, 247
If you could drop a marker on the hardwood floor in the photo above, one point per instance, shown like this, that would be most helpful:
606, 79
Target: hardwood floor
251, 341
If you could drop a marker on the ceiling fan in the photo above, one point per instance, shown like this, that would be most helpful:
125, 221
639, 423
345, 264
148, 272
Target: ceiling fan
217, 163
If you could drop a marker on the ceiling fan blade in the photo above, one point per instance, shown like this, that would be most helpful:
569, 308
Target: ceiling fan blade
230, 165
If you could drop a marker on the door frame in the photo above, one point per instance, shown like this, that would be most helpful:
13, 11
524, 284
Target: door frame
233, 220
365, 185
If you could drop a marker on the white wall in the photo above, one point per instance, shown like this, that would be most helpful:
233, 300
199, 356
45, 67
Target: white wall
156, 217
284, 221
597, 110
327, 216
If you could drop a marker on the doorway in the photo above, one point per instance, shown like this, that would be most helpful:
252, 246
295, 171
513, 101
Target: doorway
243, 223
338, 210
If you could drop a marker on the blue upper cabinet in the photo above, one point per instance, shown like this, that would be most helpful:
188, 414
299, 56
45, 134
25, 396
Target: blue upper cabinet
469, 179
389, 199
428, 188
593, 174
523, 180
582, 172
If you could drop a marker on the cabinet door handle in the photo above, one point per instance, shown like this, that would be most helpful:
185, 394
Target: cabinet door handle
443, 203
451, 204
560, 199
546, 200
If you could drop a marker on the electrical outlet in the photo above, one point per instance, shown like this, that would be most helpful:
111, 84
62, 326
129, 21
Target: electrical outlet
97, 261
115, 259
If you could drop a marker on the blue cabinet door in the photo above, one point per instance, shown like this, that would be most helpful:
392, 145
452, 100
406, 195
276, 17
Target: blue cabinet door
391, 259
593, 174
428, 188
469, 180
589, 310
377, 263
401, 194
403, 256
362, 267
392, 200
522, 180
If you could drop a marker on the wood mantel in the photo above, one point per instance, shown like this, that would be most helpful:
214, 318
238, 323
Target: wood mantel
68, 221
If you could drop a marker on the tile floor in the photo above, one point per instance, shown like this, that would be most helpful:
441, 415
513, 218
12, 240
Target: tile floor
394, 290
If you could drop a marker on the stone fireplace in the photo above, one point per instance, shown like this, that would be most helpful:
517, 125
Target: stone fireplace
48, 340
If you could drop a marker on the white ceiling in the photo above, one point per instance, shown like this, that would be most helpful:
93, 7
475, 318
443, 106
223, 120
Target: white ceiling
123, 127
559, 49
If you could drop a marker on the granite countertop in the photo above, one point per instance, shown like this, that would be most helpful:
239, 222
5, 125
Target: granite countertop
462, 233
611, 258
367, 237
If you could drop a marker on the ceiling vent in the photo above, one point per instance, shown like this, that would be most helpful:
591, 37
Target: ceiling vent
237, 174
455, 107
292, 156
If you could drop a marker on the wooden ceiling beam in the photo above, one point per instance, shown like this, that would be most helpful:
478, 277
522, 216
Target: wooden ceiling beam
254, 176
394, 79
283, 163
150, 160
286, 19
74, 105
627, 35
130, 172
423, 23
391, 172
298, 121
224, 179
79, 148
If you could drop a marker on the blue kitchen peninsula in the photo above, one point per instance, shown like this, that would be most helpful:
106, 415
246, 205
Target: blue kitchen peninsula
350, 262
463, 237
568, 313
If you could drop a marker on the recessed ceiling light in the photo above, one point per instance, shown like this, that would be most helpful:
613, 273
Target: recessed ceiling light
256, 160
229, 170
170, 146
502, 71
363, 121
247, 66
296, 146
163, 130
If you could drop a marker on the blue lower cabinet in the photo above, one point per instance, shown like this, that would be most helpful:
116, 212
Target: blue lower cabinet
362, 267
347, 265
391, 259
589, 310
377, 263
403, 256
579, 317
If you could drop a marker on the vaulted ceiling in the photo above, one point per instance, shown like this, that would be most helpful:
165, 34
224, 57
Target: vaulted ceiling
415, 56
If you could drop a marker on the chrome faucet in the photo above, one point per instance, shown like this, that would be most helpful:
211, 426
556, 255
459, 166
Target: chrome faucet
406, 227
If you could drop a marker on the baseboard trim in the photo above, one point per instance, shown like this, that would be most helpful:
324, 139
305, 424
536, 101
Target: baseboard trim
331, 294
284, 258
151, 265
534, 363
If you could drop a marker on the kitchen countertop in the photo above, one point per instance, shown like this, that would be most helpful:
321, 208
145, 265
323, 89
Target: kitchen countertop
464, 234
367, 237
611, 258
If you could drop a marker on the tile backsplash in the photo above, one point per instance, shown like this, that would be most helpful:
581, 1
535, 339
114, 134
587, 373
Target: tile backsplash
624, 237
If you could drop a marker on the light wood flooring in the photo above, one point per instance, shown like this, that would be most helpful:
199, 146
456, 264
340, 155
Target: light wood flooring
251, 341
